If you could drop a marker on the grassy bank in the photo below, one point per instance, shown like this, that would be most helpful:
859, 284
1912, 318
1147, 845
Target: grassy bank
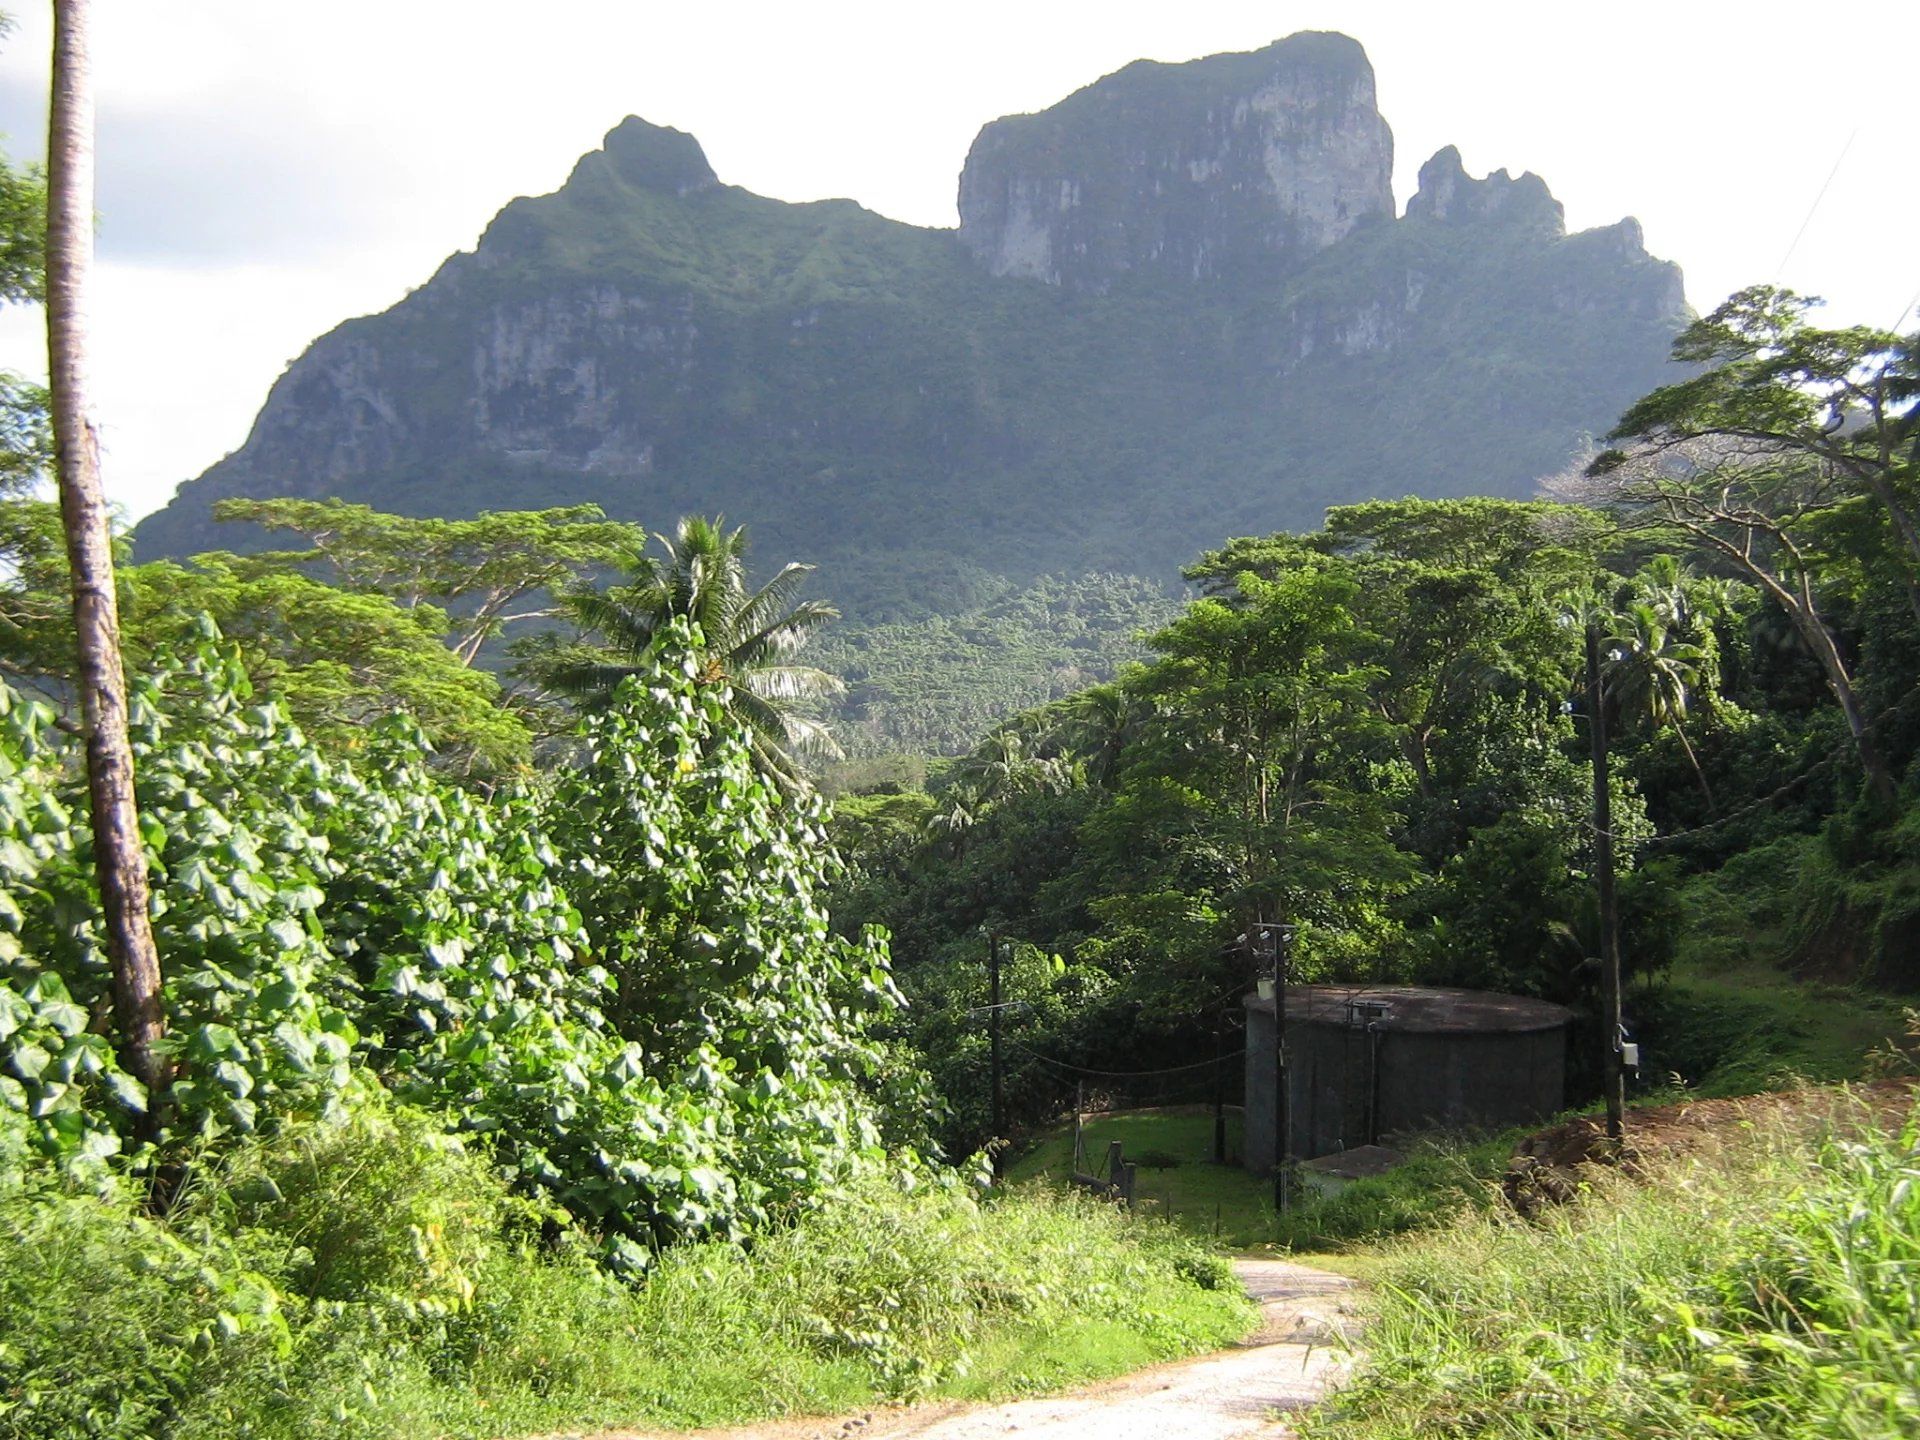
372, 1280
1738, 1027
1225, 1206
1770, 1289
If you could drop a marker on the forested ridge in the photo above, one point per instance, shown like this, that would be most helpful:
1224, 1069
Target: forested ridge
894, 404
586, 982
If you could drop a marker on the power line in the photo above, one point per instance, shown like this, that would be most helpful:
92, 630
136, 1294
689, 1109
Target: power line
1800, 234
1905, 311
1805, 775
1125, 1074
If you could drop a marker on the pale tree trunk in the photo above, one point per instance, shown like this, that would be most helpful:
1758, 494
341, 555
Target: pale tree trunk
119, 862
1797, 602
1805, 618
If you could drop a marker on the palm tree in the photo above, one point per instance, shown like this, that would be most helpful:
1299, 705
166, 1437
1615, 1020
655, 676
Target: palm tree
1005, 765
748, 636
1655, 671
1002, 767
1095, 727
118, 856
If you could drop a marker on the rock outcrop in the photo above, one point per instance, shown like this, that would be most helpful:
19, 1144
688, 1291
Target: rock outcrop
1447, 194
656, 157
1236, 165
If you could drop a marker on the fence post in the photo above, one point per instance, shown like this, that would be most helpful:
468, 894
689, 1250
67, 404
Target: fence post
1220, 1102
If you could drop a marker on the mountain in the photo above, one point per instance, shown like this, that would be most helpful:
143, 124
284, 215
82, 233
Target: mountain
1179, 305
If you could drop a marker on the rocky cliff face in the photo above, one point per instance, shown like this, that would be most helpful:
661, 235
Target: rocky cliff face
1232, 332
1232, 165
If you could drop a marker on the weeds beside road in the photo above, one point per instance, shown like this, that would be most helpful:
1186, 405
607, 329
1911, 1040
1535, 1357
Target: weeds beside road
1766, 1287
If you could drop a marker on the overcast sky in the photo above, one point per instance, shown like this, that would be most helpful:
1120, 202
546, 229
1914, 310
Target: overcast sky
270, 168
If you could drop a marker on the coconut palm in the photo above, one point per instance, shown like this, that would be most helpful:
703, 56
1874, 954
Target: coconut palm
1095, 727
1667, 585
1005, 765
1655, 671
1002, 767
749, 636
119, 862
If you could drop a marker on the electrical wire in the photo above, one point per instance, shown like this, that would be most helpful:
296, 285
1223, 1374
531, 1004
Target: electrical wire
1801, 233
1905, 311
1763, 801
1124, 1074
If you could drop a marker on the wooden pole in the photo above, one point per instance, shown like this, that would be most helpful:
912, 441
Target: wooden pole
1282, 1099
119, 860
1613, 1075
993, 1029
1220, 1095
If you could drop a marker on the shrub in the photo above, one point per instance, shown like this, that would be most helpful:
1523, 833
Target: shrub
110, 1323
626, 979
383, 1206
366, 1276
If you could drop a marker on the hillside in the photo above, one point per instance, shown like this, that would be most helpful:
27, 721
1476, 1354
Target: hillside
1179, 306
935, 685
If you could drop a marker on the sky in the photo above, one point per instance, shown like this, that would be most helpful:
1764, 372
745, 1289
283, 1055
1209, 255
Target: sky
269, 168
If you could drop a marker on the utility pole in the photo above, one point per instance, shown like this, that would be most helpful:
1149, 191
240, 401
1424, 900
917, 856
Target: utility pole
1277, 936
1603, 876
993, 1029
1220, 1092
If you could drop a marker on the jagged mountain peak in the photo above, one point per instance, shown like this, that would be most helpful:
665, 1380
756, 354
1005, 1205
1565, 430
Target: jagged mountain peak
655, 157
1446, 193
1231, 165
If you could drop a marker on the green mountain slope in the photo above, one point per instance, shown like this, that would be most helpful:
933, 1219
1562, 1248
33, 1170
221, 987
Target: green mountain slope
934, 685
1215, 327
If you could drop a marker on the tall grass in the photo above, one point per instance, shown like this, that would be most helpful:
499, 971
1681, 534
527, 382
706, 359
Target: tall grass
373, 1279
1769, 1290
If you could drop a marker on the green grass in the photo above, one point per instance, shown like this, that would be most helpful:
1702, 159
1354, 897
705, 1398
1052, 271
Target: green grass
1227, 1207
370, 1280
1742, 1027
1219, 1203
1768, 1289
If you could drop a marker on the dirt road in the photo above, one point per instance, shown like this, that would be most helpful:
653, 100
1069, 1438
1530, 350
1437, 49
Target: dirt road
1286, 1366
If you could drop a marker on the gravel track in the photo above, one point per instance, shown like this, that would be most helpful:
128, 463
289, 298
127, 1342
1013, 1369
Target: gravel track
1285, 1367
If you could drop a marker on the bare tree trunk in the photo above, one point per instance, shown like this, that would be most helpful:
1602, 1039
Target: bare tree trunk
119, 862
1804, 615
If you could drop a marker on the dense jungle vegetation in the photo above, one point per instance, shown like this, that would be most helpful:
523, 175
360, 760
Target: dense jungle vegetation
537, 1046
1376, 733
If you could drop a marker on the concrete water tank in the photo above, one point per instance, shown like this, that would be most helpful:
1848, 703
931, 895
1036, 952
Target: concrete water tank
1368, 1062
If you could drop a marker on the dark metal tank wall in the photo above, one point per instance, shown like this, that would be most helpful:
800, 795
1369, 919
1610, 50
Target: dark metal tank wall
1353, 1086
1256, 1138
